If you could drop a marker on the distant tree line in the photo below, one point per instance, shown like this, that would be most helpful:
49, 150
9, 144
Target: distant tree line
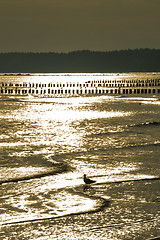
137, 60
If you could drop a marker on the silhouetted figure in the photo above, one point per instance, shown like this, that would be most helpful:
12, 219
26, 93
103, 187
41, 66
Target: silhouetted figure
87, 180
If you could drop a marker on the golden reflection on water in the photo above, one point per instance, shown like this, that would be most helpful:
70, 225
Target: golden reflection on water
50, 124
55, 131
62, 114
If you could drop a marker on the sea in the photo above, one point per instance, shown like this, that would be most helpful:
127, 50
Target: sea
48, 144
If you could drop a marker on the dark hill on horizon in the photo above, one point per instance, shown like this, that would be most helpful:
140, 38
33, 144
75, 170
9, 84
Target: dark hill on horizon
136, 60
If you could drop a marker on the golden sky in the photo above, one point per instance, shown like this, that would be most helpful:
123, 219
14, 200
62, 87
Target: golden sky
68, 25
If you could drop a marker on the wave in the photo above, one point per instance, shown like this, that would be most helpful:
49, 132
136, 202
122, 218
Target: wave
156, 143
124, 129
101, 134
145, 124
130, 180
120, 225
123, 146
58, 167
99, 204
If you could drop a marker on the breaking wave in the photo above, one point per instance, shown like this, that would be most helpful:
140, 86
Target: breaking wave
145, 124
141, 145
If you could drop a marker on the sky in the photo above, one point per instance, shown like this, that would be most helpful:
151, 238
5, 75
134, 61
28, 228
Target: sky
69, 25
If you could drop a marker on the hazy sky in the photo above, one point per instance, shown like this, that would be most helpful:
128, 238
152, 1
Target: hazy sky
67, 25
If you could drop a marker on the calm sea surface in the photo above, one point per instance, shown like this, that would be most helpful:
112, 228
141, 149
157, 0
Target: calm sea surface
47, 144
